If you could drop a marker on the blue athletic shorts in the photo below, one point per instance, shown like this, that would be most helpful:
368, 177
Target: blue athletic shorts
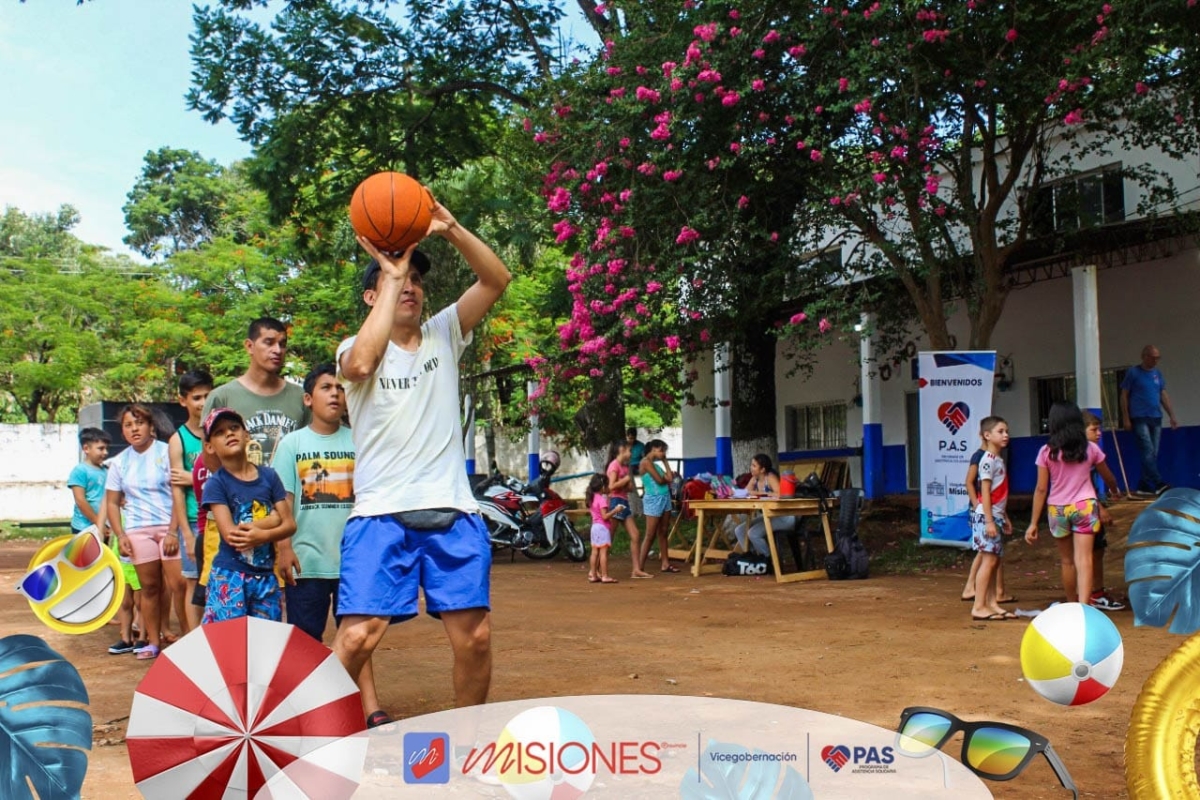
384, 562
232, 595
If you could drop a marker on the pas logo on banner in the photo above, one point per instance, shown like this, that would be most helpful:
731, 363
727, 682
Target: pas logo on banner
956, 393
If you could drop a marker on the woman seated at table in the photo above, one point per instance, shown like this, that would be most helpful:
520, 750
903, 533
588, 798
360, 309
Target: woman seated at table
764, 482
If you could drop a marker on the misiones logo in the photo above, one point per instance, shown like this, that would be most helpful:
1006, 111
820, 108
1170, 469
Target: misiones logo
954, 415
548, 753
835, 756
426, 758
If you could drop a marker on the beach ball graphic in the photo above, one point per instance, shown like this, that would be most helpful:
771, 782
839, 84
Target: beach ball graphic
74, 584
561, 741
1071, 654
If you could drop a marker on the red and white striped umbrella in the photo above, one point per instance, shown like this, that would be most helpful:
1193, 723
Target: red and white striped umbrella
247, 708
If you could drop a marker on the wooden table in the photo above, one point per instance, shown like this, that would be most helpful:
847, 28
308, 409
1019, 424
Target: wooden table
698, 553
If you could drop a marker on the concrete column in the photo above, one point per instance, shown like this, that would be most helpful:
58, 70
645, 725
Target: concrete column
469, 439
535, 441
1088, 393
871, 387
723, 393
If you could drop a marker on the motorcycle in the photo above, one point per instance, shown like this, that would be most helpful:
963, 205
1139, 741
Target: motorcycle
531, 518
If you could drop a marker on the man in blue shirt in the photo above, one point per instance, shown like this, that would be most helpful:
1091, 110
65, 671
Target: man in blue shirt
1143, 396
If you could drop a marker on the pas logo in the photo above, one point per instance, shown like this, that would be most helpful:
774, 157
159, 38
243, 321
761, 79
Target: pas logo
426, 758
835, 756
954, 415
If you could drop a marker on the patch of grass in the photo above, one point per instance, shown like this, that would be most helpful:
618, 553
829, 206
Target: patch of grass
907, 556
15, 531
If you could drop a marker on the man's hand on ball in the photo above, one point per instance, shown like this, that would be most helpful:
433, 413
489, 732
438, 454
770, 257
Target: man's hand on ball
441, 220
394, 265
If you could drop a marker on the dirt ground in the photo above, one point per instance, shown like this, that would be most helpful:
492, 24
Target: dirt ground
861, 649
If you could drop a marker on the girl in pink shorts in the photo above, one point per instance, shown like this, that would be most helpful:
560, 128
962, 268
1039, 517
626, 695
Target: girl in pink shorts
602, 525
139, 479
1065, 479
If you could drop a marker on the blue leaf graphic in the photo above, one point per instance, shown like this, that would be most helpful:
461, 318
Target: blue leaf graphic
737, 777
1162, 564
44, 735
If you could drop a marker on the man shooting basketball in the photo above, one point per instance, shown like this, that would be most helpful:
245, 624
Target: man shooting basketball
415, 522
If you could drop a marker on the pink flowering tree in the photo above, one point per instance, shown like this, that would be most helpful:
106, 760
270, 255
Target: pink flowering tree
675, 172
696, 167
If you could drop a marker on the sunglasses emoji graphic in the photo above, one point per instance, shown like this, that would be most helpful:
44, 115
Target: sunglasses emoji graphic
74, 583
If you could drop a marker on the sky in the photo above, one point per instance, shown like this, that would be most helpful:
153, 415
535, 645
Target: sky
85, 92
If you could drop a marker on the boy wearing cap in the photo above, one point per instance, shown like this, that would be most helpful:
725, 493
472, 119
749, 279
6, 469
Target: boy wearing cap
415, 524
249, 505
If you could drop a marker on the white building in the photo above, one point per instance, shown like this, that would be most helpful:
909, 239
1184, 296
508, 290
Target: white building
1146, 291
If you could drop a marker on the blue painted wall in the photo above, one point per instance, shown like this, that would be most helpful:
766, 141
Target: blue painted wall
1178, 460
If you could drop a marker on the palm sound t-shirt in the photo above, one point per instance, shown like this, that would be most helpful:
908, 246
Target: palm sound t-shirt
318, 471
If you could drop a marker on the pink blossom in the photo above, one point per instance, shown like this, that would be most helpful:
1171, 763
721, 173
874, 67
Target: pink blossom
672, 175
735, 148
735, 32
797, 51
730, 99
758, 84
708, 76
815, 155
564, 230
935, 36
713, 163
879, 177
706, 32
771, 37
818, 110
798, 318
759, 54
625, 194
676, 84
735, 14
693, 54
559, 200
899, 153
774, 237
704, 334
646, 168
540, 137
863, 106
1011, 36
743, 201
527, 124
931, 184
835, 201
562, 111
641, 309
652, 287
824, 326
1074, 117
647, 95
698, 97
614, 71
618, 92
686, 235
663, 117
1140, 88
626, 232
940, 211
671, 341
843, 85
668, 67
661, 132
639, 69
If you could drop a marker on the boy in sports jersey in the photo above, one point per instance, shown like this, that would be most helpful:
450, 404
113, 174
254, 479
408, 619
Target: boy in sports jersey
989, 520
415, 523
185, 447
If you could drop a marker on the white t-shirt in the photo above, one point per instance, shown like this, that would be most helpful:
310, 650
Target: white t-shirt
406, 427
145, 479
991, 468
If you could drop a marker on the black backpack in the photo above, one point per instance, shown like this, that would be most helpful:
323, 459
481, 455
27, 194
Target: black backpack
747, 564
849, 559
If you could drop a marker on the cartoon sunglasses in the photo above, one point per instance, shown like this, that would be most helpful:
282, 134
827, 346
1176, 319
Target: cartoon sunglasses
82, 552
993, 750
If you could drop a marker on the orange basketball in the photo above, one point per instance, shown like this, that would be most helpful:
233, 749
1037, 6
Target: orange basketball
391, 210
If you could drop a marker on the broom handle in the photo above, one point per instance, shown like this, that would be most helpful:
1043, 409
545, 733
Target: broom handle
1116, 444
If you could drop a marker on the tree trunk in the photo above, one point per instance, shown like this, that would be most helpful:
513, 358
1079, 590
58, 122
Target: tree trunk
753, 424
601, 420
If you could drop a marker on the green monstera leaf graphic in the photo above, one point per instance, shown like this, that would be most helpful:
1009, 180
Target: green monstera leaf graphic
45, 727
1162, 564
728, 772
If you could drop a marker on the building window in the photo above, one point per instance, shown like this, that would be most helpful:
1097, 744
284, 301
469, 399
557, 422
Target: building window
816, 427
1080, 201
826, 262
1048, 391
